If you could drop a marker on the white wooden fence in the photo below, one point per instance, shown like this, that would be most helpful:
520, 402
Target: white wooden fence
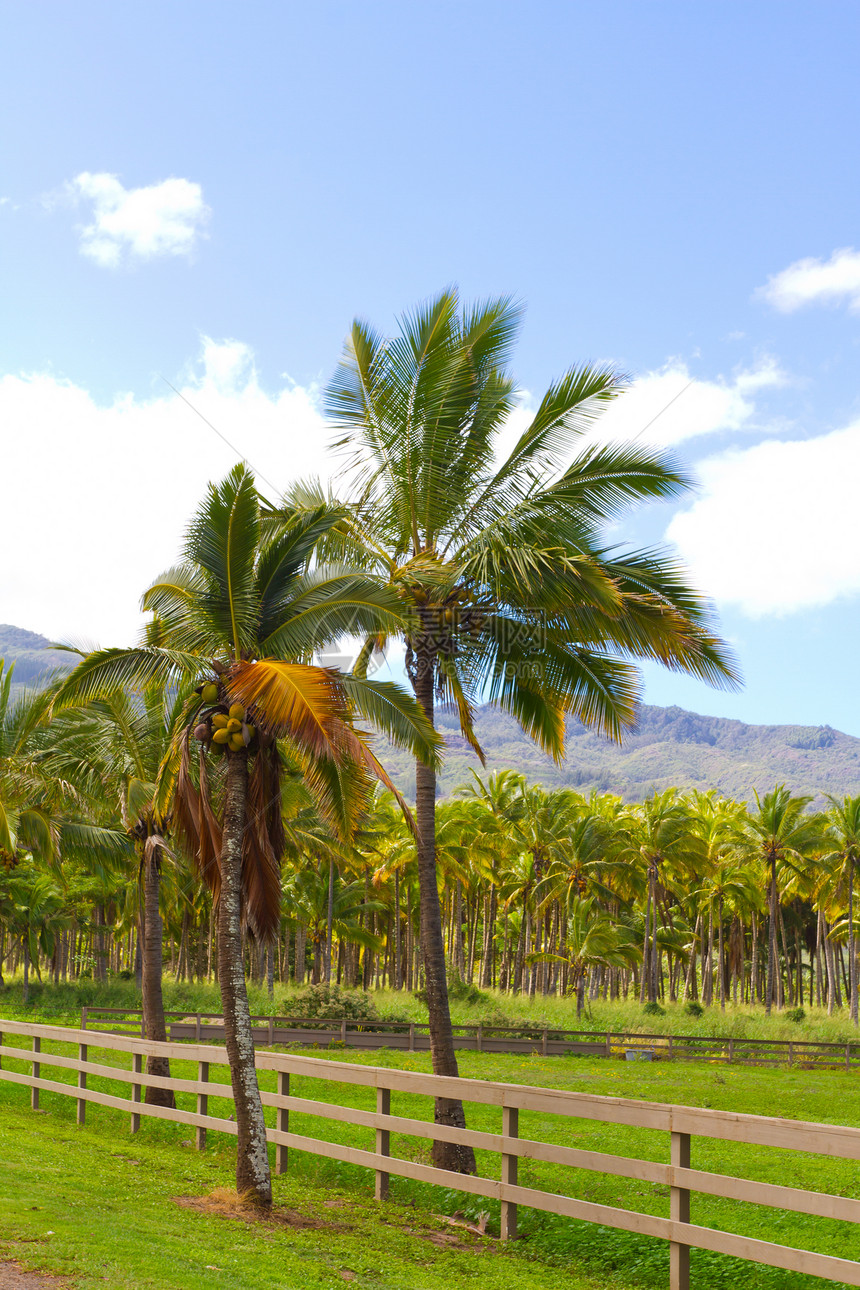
682, 1123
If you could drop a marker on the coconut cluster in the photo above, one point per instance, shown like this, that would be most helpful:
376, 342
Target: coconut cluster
223, 727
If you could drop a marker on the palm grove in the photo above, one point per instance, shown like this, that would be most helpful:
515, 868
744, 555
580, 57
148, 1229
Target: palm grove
216, 780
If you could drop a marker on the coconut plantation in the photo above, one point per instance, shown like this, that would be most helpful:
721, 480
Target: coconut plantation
267, 879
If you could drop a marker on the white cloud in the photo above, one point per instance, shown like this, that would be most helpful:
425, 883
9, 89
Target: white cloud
138, 223
811, 281
776, 528
102, 494
668, 406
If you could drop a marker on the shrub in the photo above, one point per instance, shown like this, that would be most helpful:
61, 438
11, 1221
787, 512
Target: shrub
694, 1009
654, 1010
795, 1014
333, 1003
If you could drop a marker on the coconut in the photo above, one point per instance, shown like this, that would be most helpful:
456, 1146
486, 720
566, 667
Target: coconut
236, 742
237, 712
234, 725
209, 693
247, 734
202, 732
219, 721
221, 736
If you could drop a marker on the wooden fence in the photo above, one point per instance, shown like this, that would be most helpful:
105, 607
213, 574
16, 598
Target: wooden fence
414, 1037
680, 1122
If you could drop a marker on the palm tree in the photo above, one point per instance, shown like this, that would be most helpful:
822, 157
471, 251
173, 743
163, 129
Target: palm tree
661, 834
513, 595
120, 743
242, 616
843, 820
780, 833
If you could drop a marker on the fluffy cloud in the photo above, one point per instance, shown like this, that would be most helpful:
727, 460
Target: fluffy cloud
102, 493
775, 528
138, 223
811, 282
667, 406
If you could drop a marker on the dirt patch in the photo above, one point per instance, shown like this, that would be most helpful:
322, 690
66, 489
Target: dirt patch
227, 1204
13, 1277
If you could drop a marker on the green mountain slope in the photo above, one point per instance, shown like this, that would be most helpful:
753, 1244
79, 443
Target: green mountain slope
30, 652
669, 747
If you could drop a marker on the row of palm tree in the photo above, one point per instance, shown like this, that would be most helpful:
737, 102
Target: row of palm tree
490, 566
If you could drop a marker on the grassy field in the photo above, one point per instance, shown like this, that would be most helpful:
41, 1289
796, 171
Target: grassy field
103, 1205
62, 1004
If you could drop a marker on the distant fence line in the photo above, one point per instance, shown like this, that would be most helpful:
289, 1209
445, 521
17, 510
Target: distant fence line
547, 1041
680, 1122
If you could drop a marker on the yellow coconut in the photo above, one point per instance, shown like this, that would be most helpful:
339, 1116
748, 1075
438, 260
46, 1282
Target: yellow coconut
236, 742
233, 725
209, 694
219, 721
220, 736
237, 712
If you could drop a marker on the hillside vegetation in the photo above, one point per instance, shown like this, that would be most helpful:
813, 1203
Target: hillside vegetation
670, 747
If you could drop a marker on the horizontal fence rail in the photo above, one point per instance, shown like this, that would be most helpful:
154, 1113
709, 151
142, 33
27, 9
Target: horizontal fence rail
551, 1042
682, 1123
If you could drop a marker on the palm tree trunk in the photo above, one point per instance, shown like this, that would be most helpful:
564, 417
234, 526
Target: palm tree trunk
771, 940
253, 1174
398, 959
153, 1001
852, 955
721, 961
445, 1155
329, 922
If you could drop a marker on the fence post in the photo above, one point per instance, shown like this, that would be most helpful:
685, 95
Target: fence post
608, 1043
343, 1031
197, 1035
137, 1067
543, 1042
34, 1092
84, 1017
412, 1037
848, 1057
510, 1129
479, 1038
202, 1104
82, 1083
731, 1049
283, 1121
679, 1212
1, 1045
383, 1139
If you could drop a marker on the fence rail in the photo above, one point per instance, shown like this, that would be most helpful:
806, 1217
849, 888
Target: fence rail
682, 1123
551, 1042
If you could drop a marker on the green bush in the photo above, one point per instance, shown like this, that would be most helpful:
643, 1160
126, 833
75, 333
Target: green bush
796, 1015
694, 1008
654, 1010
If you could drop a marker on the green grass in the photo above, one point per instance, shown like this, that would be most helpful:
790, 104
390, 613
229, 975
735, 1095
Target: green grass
62, 1004
120, 1216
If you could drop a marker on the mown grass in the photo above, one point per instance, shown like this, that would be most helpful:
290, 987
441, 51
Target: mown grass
62, 1005
72, 1174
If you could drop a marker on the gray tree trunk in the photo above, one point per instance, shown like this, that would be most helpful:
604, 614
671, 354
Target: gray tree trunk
253, 1174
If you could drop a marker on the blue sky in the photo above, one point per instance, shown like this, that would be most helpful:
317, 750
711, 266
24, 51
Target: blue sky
209, 193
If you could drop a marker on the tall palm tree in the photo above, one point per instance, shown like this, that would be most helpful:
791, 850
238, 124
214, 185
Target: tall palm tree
843, 819
781, 834
513, 595
242, 616
120, 743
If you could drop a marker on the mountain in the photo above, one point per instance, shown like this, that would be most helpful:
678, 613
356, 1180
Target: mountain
669, 746
30, 652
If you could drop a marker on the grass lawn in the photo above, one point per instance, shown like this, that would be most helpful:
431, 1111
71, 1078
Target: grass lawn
108, 1199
